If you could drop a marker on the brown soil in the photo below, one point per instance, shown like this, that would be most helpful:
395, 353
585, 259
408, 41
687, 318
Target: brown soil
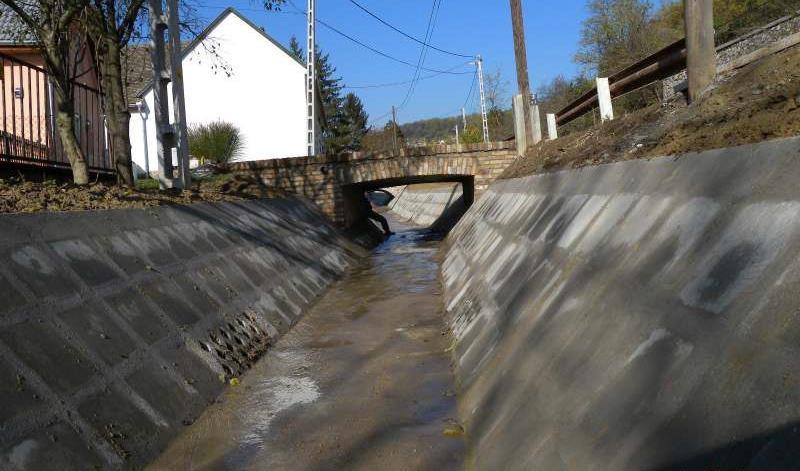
17, 196
758, 102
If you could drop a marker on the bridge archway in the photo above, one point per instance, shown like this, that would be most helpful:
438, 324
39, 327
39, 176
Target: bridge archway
352, 194
333, 182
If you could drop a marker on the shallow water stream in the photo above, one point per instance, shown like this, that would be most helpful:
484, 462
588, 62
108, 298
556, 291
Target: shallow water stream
362, 382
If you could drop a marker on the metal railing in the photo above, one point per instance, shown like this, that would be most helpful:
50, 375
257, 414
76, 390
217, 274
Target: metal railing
28, 134
663, 64
658, 66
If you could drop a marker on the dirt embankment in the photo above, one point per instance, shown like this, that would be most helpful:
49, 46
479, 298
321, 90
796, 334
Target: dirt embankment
758, 102
17, 196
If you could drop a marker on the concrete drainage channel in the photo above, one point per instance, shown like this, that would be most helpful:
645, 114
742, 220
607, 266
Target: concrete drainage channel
118, 328
631, 316
637, 315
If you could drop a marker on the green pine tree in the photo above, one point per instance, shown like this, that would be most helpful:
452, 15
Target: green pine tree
297, 50
352, 125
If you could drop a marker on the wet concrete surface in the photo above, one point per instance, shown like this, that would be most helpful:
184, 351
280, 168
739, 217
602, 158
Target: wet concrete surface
362, 382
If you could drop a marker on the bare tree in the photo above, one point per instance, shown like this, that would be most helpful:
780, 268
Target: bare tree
51, 22
110, 25
496, 92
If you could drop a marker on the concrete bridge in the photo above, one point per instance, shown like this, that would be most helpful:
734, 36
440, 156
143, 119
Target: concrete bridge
335, 183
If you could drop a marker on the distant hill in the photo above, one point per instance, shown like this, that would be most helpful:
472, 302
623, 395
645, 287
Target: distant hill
434, 130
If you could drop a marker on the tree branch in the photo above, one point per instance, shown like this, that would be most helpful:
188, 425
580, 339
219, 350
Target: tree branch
29, 21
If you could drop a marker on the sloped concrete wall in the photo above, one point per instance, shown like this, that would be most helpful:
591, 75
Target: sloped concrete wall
635, 316
426, 206
118, 328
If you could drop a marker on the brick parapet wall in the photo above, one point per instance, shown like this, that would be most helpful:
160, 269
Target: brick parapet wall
321, 179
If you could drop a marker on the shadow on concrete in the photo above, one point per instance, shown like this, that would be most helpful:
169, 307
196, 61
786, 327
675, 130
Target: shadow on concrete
450, 217
775, 450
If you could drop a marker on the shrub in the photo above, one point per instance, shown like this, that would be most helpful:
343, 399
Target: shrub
218, 142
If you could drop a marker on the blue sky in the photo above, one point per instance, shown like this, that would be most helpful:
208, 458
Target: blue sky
465, 26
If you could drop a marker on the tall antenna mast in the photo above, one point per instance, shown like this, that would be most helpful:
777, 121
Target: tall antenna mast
485, 118
311, 78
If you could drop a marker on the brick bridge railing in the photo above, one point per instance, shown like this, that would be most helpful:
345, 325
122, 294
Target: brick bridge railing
335, 183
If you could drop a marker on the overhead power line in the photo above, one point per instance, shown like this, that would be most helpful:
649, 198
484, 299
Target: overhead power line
424, 43
381, 53
471, 88
377, 120
368, 47
406, 82
423, 54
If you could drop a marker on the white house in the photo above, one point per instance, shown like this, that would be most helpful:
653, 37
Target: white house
249, 80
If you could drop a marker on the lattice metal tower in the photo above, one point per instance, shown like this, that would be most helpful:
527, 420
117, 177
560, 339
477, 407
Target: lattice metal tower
484, 116
311, 77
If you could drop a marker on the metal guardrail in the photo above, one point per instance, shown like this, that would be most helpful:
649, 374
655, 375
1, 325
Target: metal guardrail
658, 66
27, 122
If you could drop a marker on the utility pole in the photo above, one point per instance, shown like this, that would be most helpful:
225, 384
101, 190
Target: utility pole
394, 129
701, 54
521, 56
458, 141
311, 78
464, 118
484, 116
181, 141
168, 136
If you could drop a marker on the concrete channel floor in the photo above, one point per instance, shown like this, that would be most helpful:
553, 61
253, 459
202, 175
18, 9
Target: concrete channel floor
362, 382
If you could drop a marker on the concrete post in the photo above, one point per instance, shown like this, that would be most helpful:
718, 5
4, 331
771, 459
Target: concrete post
701, 55
604, 98
552, 129
165, 135
536, 123
180, 133
519, 124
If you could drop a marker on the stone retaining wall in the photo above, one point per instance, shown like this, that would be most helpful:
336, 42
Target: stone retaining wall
117, 328
631, 316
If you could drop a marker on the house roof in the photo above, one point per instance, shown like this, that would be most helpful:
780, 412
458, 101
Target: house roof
13, 31
204, 34
138, 69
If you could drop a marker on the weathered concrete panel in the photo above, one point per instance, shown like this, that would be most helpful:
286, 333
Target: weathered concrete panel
425, 206
120, 327
638, 315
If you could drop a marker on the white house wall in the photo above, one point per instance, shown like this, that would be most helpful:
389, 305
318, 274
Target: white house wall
251, 83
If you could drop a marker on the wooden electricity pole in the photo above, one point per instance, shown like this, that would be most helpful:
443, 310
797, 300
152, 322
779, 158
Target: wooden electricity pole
701, 54
394, 130
521, 56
